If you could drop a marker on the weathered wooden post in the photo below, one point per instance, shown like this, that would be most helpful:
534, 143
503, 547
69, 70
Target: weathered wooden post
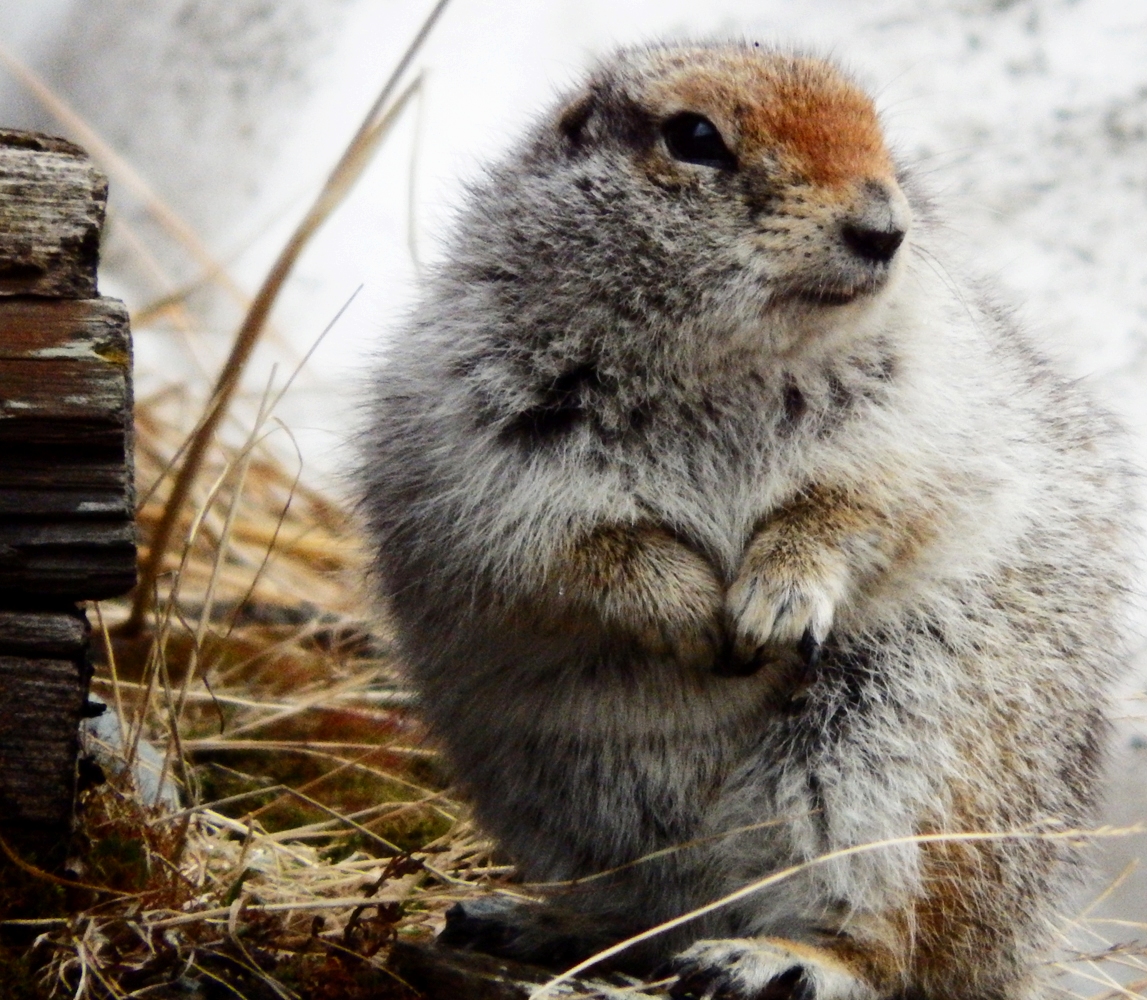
66, 491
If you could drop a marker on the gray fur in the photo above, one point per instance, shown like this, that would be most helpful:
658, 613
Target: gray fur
603, 348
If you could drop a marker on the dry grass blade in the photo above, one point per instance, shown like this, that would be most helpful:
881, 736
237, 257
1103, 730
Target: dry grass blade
323, 830
349, 168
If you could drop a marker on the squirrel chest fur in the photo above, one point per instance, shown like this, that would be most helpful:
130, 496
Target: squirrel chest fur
715, 508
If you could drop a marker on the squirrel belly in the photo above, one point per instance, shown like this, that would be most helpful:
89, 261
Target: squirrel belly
713, 514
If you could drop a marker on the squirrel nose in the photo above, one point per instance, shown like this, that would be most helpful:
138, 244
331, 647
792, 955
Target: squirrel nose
877, 245
875, 232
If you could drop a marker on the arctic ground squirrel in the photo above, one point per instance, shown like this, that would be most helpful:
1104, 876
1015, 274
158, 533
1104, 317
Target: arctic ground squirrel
717, 509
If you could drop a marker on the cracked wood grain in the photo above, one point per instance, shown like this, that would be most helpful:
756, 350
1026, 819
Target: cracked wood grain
52, 201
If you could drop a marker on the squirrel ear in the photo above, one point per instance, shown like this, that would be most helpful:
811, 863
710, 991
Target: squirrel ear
573, 119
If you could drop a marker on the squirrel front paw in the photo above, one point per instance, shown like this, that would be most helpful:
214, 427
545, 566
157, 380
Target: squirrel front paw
643, 585
699, 644
764, 969
783, 602
682, 619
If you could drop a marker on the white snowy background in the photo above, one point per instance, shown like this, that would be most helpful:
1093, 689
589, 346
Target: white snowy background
1027, 117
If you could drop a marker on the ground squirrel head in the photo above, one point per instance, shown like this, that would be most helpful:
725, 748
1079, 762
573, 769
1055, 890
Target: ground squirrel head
690, 195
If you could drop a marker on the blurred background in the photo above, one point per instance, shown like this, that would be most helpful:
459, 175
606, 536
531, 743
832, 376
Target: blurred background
218, 120
1028, 118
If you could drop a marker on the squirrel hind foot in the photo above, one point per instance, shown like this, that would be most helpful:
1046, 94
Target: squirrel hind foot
763, 969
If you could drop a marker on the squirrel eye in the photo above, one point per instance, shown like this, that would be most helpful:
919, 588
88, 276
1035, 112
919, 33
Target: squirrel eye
695, 139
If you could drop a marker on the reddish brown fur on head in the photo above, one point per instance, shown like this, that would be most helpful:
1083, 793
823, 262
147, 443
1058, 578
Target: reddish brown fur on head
799, 112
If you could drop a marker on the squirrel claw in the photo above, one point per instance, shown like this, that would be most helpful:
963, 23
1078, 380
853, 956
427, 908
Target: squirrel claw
809, 649
731, 665
744, 654
732, 659
700, 981
775, 613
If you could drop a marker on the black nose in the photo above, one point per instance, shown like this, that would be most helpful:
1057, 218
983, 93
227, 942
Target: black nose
876, 245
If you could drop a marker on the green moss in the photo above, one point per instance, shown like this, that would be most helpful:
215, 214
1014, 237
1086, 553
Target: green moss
119, 860
345, 789
219, 782
415, 830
